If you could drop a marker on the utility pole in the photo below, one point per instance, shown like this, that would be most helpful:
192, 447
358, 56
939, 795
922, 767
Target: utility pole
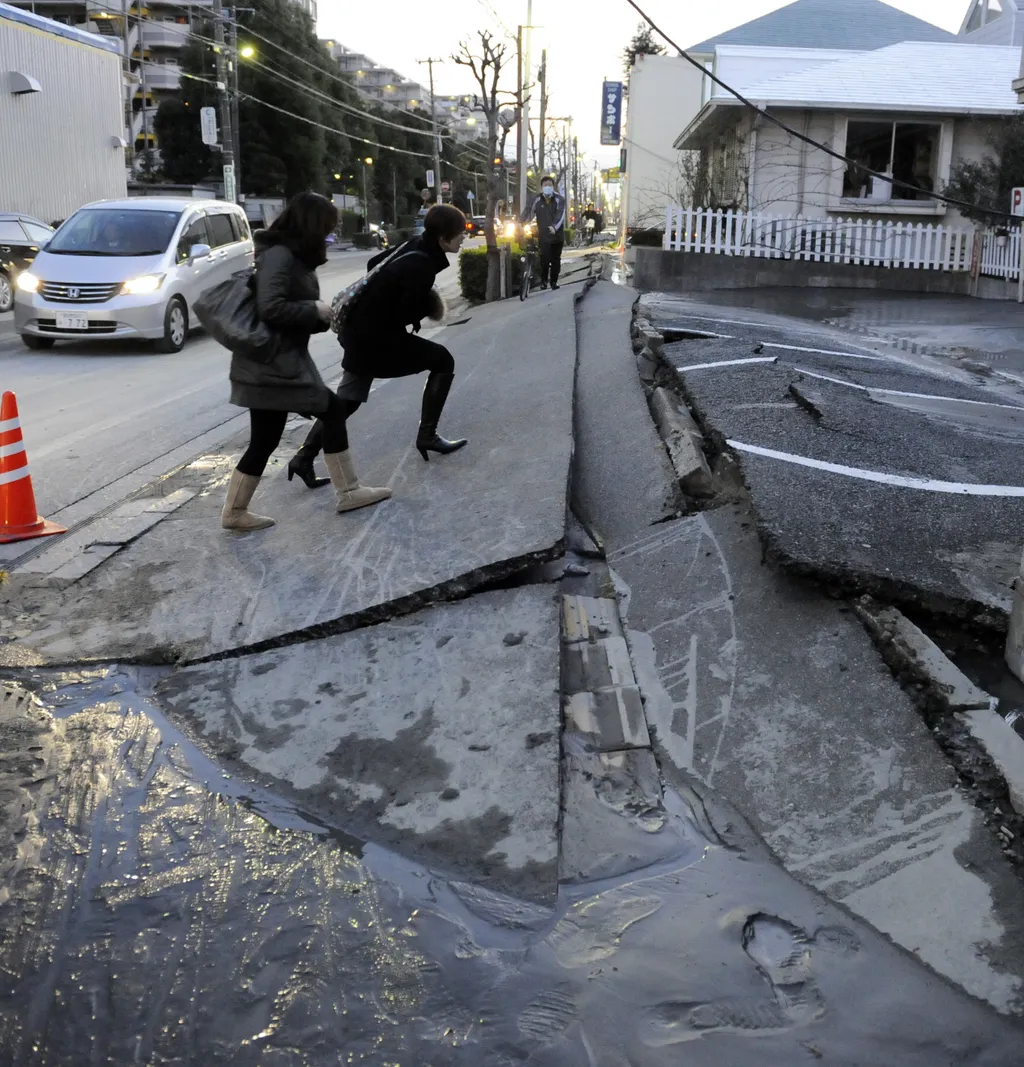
145, 102
437, 137
129, 117
576, 175
543, 108
524, 122
521, 102
236, 142
227, 139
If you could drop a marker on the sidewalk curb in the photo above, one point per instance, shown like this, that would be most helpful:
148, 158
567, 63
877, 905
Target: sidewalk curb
915, 658
684, 443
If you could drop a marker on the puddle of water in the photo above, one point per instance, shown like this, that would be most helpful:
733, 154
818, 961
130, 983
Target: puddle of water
177, 915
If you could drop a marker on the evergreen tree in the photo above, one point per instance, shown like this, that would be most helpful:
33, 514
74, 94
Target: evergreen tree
642, 44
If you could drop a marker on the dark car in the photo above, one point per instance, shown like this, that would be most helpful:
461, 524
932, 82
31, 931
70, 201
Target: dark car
475, 225
21, 237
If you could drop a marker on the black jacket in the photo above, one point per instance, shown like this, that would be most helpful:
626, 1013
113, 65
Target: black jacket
287, 289
397, 297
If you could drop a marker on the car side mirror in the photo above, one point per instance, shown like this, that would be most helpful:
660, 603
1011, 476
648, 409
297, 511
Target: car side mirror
199, 252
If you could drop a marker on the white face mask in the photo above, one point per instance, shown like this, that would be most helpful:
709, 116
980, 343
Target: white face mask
548, 190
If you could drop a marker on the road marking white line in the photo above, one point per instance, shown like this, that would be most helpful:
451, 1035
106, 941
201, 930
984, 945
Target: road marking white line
730, 363
826, 352
904, 481
900, 392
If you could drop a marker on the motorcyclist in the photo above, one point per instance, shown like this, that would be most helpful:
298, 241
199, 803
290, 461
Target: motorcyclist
549, 212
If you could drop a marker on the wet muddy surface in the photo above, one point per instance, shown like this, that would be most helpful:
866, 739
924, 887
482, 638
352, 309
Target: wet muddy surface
937, 324
169, 914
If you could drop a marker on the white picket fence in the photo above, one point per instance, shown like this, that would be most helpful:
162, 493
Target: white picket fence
865, 242
1000, 254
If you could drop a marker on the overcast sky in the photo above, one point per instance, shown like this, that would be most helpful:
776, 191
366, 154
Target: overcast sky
584, 40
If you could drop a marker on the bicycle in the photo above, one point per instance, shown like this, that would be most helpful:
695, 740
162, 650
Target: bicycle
527, 260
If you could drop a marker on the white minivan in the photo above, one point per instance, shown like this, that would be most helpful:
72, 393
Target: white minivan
130, 269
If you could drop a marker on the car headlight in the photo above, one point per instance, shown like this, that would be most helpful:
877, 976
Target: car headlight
28, 282
148, 283
510, 229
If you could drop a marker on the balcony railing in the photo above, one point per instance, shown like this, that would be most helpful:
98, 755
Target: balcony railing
168, 35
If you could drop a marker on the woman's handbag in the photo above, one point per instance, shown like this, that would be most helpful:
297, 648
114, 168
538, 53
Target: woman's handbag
342, 304
228, 314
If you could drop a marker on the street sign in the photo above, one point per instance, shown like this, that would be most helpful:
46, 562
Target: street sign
471, 196
446, 187
229, 183
208, 124
424, 194
611, 113
430, 179
1017, 201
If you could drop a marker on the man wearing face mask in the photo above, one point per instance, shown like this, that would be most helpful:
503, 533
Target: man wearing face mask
549, 211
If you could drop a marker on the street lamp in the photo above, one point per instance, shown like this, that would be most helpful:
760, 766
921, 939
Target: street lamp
367, 162
247, 51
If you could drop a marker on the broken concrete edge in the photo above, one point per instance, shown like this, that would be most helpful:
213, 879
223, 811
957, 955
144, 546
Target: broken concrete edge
921, 659
984, 749
684, 443
1015, 636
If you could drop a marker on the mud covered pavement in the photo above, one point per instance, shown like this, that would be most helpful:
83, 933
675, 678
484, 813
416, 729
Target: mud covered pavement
171, 914
402, 786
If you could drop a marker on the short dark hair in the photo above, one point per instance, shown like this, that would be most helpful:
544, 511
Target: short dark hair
549, 178
304, 225
443, 222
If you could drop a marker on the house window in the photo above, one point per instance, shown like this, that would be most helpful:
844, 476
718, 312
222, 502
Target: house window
906, 151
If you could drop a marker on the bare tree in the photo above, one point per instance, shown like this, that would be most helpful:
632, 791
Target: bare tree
486, 68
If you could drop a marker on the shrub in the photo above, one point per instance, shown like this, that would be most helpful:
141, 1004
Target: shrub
361, 240
406, 222
646, 238
473, 274
348, 223
473, 271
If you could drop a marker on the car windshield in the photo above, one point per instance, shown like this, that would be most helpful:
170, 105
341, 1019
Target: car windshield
116, 232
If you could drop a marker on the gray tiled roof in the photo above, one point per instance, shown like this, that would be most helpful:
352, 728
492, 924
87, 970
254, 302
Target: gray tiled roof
857, 25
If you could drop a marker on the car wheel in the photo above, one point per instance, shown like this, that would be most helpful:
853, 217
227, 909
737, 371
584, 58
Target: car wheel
39, 343
175, 326
6, 293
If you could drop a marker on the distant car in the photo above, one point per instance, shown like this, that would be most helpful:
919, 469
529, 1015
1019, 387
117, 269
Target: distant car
475, 225
130, 269
419, 227
21, 238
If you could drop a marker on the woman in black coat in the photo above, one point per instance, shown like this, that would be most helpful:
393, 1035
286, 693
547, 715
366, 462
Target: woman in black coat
288, 301
376, 338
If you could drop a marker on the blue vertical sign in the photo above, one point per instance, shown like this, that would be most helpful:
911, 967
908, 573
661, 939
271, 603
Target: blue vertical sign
611, 113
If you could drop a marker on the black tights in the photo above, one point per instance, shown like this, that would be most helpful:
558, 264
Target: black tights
267, 428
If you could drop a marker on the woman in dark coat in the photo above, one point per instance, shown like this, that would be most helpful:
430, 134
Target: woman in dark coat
288, 301
376, 338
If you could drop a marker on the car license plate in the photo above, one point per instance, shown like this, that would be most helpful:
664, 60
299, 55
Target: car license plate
68, 320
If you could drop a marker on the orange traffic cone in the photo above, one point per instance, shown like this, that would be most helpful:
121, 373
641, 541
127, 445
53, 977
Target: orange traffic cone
19, 519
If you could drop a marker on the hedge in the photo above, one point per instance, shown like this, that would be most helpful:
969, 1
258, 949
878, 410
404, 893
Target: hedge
646, 238
473, 271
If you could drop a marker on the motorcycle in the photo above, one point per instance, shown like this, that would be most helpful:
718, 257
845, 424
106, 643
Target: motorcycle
378, 236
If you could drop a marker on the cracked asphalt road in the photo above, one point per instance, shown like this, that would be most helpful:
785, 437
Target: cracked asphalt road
879, 471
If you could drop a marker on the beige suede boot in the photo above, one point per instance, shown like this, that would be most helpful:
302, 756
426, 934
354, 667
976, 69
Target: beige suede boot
351, 494
235, 516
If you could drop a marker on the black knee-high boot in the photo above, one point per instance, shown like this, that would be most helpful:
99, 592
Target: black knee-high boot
435, 393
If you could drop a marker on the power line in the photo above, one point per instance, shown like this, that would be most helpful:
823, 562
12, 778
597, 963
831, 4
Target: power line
765, 114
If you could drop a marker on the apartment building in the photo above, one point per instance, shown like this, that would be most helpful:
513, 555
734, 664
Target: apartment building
387, 86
